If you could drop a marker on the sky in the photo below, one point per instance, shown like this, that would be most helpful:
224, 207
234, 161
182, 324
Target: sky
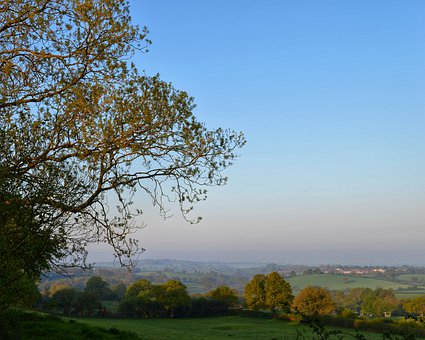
330, 97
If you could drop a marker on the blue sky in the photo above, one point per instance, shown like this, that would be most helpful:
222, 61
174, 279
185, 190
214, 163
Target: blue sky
330, 96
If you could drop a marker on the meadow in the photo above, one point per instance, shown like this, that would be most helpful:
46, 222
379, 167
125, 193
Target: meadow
340, 282
214, 328
413, 278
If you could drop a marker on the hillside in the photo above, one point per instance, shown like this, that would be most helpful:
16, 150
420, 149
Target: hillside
338, 282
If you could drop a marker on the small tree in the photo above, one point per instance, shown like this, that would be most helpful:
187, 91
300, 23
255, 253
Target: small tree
65, 298
99, 287
119, 290
227, 296
314, 301
87, 303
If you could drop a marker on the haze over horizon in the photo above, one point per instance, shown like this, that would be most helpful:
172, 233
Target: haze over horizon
330, 97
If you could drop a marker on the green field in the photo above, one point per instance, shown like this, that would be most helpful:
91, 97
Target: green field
214, 328
414, 278
338, 282
408, 294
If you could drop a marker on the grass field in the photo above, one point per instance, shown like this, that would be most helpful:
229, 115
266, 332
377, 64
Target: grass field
414, 278
408, 294
337, 282
214, 328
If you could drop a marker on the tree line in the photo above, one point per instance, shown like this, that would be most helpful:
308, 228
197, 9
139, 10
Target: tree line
264, 292
141, 299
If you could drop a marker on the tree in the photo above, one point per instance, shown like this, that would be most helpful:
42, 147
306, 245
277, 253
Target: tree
379, 302
145, 299
175, 297
255, 292
415, 305
80, 127
87, 303
99, 287
227, 296
65, 298
141, 286
351, 298
26, 247
268, 292
314, 301
119, 290
278, 292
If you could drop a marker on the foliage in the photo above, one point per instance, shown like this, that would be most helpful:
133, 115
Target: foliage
269, 291
415, 306
144, 299
175, 297
137, 287
224, 294
119, 290
314, 301
99, 287
350, 300
26, 247
278, 292
203, 306
65, 298
322, 333
87, 303
379, 302
80, 127
255, 292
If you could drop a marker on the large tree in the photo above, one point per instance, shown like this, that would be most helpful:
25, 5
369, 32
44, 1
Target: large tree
80, 127
278, 292
269, 291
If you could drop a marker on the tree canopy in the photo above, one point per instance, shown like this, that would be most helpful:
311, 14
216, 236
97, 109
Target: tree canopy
378, 302
269, 291
81, 127
415, 305
278, 292
314, 301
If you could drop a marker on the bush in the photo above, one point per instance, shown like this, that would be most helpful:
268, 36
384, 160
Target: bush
289, 317
387, 327
347, 313
254, 314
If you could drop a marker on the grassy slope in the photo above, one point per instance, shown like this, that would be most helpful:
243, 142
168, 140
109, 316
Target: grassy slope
27, 325
336, 282
214, 328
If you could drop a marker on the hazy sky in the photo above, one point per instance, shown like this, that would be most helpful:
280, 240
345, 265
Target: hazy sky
331, 98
